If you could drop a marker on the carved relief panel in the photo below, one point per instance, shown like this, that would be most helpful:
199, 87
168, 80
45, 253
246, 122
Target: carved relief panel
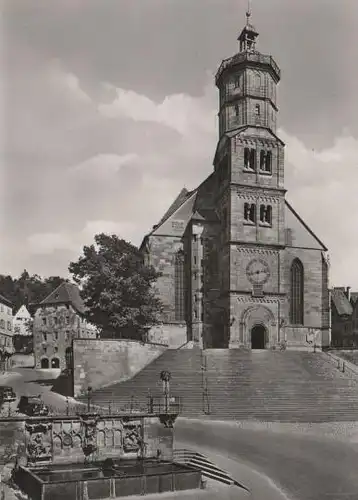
38, 442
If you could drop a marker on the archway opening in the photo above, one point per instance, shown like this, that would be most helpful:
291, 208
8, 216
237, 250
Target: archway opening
44, 363
55, 363
258, 337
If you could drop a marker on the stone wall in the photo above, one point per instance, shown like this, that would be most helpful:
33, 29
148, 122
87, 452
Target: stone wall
169, 335
99, 362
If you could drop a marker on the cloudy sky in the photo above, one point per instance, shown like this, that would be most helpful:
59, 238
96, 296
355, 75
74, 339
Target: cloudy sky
109, 109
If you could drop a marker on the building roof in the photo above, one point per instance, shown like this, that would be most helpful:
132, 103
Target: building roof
66, 293
5, 301
179, 200
341, 302
22, 312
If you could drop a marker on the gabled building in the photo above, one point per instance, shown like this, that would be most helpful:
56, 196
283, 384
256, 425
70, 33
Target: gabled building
6, 332
59, 319
341, 317
240, 268
21, 322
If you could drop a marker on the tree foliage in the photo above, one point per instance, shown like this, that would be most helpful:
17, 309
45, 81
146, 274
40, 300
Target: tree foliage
116, 287
27, 289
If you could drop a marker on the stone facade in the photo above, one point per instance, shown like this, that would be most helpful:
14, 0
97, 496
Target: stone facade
255, 275
344, 314
100, 362
58, 320
55, 327
6, 333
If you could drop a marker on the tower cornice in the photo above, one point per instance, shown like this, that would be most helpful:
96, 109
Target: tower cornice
249, 59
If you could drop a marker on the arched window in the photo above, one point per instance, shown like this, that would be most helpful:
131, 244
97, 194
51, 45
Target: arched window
179, 279
297, 293
44, 363
55, 363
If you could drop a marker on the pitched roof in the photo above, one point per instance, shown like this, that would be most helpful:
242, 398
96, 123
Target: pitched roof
66, 293
22, 312
5, 301
341, 302
179, 200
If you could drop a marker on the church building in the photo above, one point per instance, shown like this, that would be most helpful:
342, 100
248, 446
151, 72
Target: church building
240, 268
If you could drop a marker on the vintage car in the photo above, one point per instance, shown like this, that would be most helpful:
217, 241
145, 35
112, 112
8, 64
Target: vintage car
7, 394
33, 406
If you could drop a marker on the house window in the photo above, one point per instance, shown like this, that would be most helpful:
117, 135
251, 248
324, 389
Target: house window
266, 161
265, 215
44, 321
56, 335
250, 213
45, 337
297, 293
237, 110
257, 110
55, 320
179, 279
9, 325
249, 159
67, 320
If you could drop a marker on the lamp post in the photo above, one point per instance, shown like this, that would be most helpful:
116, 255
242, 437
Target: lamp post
165, 377
89, 397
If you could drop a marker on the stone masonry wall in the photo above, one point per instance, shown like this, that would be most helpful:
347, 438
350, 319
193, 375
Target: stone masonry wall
162, 256
98, 363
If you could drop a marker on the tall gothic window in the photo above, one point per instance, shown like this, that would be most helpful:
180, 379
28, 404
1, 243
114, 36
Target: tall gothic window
179, 287
297, 293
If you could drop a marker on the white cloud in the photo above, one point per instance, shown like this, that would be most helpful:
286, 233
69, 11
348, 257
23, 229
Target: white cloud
322, 187
48, 243
66, 81
181, 112
103, 165
126, 189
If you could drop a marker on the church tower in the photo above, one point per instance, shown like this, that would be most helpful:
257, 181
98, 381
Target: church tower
249, 163
238, 264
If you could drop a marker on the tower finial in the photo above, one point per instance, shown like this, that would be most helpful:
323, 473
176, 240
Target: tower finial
248, 12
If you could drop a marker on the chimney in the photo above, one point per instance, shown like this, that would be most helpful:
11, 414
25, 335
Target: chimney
348, 293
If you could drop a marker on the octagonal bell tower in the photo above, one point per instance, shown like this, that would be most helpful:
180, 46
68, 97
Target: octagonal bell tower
247, 85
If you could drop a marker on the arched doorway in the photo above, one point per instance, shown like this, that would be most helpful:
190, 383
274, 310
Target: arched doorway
258, 337
55, 363
44, 363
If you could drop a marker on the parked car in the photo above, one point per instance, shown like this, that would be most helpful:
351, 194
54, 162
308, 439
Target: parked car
33, 406
7, 394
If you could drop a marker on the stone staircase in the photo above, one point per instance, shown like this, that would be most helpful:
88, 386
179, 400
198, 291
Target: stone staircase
258, 385
184, 366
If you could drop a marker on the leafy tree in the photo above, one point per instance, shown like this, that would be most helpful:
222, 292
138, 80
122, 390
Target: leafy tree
117, 287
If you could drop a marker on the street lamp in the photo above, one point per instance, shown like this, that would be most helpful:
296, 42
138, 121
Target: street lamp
165, 377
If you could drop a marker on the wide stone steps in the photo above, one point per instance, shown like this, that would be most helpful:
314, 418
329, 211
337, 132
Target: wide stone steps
272, 386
